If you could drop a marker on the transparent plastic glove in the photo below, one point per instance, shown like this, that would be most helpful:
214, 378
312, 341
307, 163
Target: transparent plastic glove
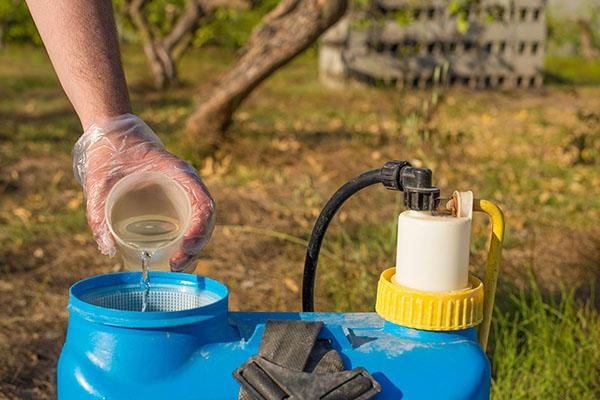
114, 148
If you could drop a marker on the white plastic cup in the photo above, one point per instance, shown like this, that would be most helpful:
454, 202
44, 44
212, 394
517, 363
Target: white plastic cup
147, 193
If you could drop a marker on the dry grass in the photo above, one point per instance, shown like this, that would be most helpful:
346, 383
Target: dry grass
291, 146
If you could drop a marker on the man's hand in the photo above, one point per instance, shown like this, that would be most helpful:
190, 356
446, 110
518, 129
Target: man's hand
119, 146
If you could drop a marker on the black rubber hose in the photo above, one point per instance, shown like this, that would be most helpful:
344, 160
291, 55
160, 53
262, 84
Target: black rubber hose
316, 238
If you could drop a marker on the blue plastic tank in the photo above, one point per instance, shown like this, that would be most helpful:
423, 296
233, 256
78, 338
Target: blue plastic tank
188, 344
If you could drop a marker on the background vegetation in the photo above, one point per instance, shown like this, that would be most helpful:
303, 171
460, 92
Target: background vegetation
535, 153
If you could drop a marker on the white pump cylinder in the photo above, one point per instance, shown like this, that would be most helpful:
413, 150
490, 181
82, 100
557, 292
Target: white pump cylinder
433, 251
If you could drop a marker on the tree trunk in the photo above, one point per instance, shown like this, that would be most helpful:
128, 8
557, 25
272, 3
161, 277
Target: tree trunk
586, 40
159, 51
163, 52
284, 33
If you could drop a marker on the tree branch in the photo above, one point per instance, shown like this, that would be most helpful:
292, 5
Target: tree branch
284, 33
163, 51
149, 43
187, 22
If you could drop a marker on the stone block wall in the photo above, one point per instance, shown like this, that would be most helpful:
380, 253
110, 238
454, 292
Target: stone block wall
505, 53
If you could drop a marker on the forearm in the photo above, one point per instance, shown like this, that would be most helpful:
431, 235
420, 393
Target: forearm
81, 40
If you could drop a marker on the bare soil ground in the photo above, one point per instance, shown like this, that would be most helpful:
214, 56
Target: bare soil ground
292, 145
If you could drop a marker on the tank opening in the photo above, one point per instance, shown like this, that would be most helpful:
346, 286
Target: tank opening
159, 299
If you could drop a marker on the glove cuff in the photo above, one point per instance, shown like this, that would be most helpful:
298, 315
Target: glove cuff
123, 125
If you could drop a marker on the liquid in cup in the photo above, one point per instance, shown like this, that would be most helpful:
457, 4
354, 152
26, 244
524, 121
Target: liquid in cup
147, 213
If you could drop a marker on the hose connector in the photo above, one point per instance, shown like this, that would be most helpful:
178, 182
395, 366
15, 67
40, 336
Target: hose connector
391, 174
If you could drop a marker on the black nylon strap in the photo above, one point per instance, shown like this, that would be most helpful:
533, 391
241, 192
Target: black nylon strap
286, 343
289, 343
323, 359
287, 349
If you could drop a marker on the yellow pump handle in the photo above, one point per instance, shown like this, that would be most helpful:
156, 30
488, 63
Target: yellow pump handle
492, 267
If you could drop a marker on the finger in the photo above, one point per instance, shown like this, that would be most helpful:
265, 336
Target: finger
96, 190
181, 262
195, 238
202, 215
97, 222
191, 246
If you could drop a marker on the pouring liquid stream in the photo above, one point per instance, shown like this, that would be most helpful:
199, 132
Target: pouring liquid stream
148, 234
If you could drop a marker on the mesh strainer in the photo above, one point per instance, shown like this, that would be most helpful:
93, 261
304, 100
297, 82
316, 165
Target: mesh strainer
171, 295
160, 298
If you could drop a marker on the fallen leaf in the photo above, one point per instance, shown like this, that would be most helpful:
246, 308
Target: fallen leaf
80, 238
38, 253
522, 115
23, 214
291, 285
486, 118
75, 203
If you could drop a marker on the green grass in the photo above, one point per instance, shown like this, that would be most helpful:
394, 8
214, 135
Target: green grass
572, 70
546, 348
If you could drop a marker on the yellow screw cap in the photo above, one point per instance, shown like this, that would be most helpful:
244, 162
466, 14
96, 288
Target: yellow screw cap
431, 311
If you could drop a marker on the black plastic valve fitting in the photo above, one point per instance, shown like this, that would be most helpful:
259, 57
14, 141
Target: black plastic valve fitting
419, 193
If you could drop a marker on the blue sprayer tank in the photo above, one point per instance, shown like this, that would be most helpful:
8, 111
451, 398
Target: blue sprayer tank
191, 354
421, 343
